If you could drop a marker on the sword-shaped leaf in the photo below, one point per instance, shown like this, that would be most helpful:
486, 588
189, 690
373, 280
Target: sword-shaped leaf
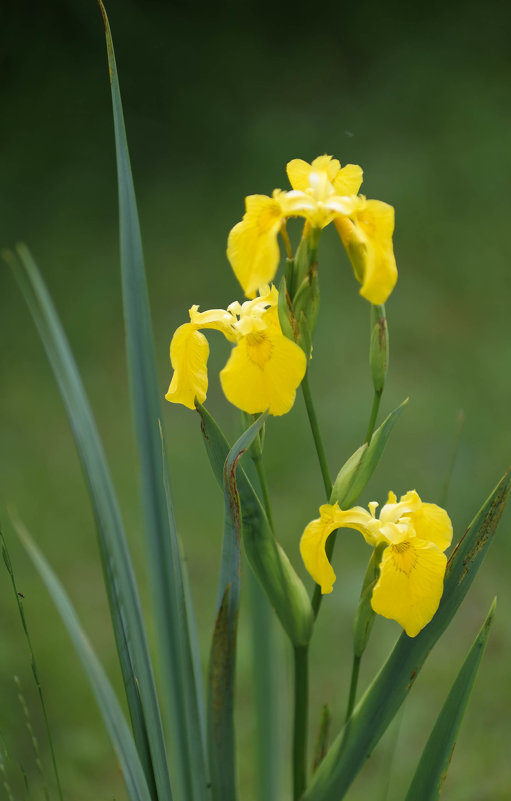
118, 570
223, 647
268, 560
188, 761
432, 769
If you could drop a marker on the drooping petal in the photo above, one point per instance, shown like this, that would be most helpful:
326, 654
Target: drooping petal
312, 548
315, 535
367, 236
410, 584
252, 246
263, 372
189, 351
433, 524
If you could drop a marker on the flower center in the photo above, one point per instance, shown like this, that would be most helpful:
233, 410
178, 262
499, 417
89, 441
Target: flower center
404, 557
259, 348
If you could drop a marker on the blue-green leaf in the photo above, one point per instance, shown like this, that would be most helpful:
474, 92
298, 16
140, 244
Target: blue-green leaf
223, 647
188, 762
432, 769
120, 579
268, 560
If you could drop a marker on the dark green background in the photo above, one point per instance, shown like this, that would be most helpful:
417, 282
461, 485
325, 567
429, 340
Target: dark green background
217, 99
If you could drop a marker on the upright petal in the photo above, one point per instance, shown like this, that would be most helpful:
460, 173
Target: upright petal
367, 236
348, 180
263, 372
252, 246
189, 351
410, 584
433, 524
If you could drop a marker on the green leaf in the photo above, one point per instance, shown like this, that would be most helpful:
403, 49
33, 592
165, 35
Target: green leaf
356, 472
265, 667
383, 698
120, 580
268, 560
188, 761
432, 769
223, 647
113, 717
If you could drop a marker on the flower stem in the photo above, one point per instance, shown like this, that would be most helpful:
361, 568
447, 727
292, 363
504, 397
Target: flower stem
318, 442
353, 686
301, 699
374, 414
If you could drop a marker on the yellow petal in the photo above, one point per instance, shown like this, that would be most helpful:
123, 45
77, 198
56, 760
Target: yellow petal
348, 180
367, 237
216, 319
252, 246
189, 351
410, 584
312, 548
312, 544
263, 372
298, 172
433, 524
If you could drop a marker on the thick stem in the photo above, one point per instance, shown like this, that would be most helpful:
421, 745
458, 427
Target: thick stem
353, 686
301, 703
318, 442
374, 414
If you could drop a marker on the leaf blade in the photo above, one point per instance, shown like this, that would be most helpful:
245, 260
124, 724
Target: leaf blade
189, 769
117, 566
432, 769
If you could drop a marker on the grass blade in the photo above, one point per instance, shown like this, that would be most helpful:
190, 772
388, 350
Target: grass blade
432, 769
223, 647
189, 771
33, 663
113, 717
120, 580
390, 687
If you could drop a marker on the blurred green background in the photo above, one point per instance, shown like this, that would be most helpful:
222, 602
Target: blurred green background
217, 98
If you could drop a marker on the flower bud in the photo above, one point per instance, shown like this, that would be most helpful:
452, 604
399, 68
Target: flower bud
379, 347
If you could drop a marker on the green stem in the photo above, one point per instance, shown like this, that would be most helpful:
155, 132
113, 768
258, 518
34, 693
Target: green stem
258, 461
374, 414
353, 686
301, 703
318, 442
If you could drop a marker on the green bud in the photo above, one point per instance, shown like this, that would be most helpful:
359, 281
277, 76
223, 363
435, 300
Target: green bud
364, 618
379, 347
356, 472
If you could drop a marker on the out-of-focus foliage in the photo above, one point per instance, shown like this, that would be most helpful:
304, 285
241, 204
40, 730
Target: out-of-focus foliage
217, 100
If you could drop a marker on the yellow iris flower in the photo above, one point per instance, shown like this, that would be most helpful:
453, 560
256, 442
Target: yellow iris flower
412, 568
264, 369
321, 192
